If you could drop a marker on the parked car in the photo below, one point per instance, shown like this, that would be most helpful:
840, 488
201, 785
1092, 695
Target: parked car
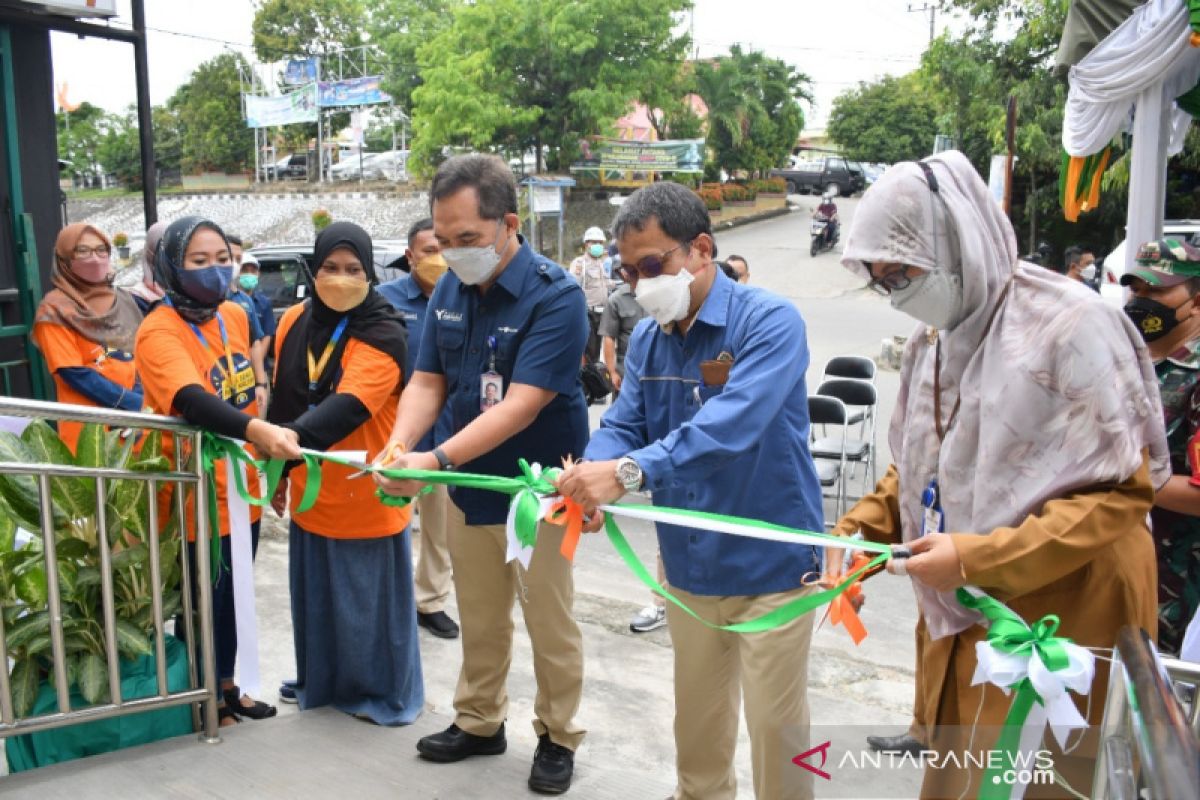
832, 173
1114, 263
285, 269
390, 165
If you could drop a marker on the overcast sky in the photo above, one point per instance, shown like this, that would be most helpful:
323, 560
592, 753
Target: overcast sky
836, 43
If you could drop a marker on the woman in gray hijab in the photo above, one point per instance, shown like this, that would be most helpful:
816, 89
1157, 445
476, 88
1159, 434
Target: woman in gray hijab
1027, 443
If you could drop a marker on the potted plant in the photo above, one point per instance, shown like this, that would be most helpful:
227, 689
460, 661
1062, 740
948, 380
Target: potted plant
24, 594
121, 242
321, 219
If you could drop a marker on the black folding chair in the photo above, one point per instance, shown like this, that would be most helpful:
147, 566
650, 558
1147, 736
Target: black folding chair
856, 447
831, 465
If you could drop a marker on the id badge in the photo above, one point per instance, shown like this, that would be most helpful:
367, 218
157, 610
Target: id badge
491, 390
932, 520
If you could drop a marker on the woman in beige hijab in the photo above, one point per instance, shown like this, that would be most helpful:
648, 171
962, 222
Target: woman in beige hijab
85, 328
1027, 443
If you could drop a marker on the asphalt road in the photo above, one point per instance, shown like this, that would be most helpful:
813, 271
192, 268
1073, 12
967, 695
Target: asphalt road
628, 701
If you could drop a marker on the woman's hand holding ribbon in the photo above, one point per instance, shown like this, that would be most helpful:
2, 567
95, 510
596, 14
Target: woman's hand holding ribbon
935, 562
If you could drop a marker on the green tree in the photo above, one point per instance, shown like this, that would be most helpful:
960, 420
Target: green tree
80, 133
400, 28
887, 121
285, 28
212, 131
754, 114
119, 150
521, 74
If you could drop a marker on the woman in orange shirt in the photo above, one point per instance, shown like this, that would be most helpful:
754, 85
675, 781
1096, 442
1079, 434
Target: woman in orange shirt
85, 328
338, 371
193, 355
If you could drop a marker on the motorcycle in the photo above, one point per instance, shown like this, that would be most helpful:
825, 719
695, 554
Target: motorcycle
820, 238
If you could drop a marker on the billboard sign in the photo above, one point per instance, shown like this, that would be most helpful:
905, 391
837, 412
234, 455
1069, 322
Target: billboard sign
297, 106
353, 92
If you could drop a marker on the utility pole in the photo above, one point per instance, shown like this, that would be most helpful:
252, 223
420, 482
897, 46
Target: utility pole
921, 9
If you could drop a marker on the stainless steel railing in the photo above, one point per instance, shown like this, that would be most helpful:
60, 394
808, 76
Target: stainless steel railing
202, 681
1148, 742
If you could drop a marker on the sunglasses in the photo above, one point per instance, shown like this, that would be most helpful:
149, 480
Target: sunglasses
649, 266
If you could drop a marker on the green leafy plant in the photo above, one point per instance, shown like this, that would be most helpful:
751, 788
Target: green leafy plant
120, 239
23, 587
769, 186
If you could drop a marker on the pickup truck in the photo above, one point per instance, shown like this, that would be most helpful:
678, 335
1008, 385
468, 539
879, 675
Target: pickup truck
817, 177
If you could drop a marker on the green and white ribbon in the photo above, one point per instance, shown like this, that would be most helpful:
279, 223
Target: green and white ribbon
1041, 667
533, 491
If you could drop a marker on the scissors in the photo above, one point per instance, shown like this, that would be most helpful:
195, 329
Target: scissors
386, 457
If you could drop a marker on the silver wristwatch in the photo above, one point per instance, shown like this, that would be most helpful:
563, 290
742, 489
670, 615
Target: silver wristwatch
629, 474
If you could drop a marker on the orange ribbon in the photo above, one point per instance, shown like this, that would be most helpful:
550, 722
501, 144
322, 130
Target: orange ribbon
568, 513
841, 610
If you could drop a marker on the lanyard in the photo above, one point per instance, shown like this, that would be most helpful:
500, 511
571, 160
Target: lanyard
937, 372
317, 368
224, 341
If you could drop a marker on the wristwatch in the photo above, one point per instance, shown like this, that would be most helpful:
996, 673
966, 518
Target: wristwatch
443, 460
629, 474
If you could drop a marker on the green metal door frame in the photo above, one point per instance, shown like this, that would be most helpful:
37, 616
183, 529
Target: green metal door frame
25, 260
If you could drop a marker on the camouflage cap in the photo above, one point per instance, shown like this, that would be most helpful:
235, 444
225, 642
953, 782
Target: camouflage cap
1165, 262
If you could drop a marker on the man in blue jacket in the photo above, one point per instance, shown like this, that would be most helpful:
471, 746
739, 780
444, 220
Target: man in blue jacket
713, 416
500, 349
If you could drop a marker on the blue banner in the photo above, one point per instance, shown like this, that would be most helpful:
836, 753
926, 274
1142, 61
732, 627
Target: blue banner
300, 71
353, 92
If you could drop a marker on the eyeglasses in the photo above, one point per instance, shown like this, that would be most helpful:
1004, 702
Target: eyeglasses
893, 281
100, 250
649, 266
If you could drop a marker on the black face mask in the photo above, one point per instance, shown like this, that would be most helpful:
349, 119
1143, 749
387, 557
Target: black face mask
1153, 319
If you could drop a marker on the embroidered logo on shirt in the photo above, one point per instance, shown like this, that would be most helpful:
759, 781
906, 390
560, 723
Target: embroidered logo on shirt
446, 315
506, 329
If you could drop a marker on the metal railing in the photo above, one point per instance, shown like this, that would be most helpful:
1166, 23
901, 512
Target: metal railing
1148, 744
202, 694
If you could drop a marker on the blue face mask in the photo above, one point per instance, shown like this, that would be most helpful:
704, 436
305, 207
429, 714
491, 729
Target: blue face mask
207, 286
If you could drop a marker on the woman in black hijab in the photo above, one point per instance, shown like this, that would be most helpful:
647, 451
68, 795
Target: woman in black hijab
339, 369
192, 353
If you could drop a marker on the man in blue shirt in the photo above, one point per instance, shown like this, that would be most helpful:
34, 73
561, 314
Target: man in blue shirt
713, 416
505, 317
410, 295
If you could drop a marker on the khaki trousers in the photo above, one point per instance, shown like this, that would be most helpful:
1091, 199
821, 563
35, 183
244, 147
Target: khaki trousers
655, 597
486, 587
432, 576
713, 671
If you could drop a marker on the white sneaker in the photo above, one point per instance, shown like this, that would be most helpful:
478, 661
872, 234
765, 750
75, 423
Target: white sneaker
648, 619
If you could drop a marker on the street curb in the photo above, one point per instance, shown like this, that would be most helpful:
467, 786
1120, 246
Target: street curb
775, 212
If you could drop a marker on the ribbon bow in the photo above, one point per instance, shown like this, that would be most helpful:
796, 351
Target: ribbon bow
1041, 666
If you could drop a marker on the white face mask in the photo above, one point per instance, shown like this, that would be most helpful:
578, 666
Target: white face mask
474, 265
1089, 272
935, 298
666, 297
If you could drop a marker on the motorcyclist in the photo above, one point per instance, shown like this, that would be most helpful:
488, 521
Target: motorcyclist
828, 210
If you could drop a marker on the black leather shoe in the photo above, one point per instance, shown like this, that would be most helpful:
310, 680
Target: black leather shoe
896, 744
553, 766
439, 624
455, 744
